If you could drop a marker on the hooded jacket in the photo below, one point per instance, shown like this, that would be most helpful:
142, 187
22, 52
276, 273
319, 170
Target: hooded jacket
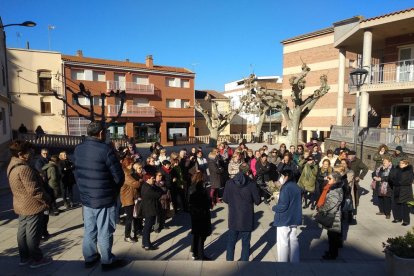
240, 193
53, 176
288, 210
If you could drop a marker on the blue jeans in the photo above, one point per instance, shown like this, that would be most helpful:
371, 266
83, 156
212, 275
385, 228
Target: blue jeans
232, 236
99, 228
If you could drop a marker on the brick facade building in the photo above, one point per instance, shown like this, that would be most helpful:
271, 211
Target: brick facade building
159, 99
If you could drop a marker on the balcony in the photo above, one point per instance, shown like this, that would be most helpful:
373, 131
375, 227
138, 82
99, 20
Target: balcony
397, 75
133, 111
131, 87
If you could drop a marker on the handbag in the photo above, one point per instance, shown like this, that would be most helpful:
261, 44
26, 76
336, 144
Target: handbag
137, 209
373, 184
325, 219
384, 188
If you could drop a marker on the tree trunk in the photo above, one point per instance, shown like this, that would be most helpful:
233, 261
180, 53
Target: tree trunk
214, 134
294, 130
259, 124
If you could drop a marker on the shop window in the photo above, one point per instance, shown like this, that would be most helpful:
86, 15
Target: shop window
177, 129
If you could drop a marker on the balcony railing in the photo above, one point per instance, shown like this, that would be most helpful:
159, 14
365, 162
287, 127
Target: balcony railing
133, 111
399, 71
376, 136
131, 87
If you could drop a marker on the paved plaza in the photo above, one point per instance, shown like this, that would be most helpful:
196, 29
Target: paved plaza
362, 253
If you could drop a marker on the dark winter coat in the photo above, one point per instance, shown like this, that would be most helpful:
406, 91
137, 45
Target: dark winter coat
66, 171
240, 193
215, 173
379, 172
288, 210
53, 177
199, 207
359, 168
262, 171
166, 176
98, 173
402, 184
289, 166
150, 205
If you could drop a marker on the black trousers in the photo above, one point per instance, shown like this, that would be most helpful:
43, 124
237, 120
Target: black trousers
67, 192
149, 222
334, 240
160, 220
384, 205
45, 222
197, 246
130, 222
401, 212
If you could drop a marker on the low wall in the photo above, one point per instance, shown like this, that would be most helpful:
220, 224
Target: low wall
368, 152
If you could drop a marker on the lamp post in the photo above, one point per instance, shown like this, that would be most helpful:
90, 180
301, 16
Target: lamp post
358, 77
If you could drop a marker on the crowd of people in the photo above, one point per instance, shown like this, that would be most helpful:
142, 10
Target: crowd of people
152, 190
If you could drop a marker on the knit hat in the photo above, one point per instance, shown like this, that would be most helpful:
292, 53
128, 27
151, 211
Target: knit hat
399, 148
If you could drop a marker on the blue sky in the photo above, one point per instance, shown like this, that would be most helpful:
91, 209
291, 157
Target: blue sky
221, 40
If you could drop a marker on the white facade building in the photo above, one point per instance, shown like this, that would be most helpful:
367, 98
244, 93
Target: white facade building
235, 90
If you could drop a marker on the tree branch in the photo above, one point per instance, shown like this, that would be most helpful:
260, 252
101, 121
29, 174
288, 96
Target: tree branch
298, 84
310, 102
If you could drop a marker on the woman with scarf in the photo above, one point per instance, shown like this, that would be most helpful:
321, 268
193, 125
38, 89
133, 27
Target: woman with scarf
165, 200
216, 170
382, 187
234, 164
324, 171
330, 202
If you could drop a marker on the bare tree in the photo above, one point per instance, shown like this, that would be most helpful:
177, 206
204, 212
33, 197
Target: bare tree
259, 100
294, 115
216, 121
91, 114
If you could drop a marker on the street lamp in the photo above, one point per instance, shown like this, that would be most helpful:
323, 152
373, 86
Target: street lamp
24, 24
358, 77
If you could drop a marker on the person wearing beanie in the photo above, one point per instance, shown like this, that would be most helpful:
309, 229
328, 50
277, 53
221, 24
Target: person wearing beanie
398, 156
240, 193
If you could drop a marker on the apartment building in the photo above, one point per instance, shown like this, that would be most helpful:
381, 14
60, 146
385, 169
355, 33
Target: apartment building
159, 99
246, 122
383, 45
34, 76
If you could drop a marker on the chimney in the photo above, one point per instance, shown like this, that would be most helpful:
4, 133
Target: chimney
149, 62
127, 60
79, 53
27, 45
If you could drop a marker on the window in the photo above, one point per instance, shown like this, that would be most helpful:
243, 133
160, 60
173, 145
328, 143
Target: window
141, 80
170, 103
77, 126
45, 107
177, 103
141, 102
185, 83
97, 100
185, 103
120, 79
98, 76
349, 112
82, 101
45, 81
177, 129
77, 74
170, 82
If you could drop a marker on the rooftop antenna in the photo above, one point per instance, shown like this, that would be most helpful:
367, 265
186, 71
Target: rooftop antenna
252, 68
50, 28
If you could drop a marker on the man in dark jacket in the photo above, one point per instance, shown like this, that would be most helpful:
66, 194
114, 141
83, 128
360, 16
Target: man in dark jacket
99, 176
360, 170
240, 194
